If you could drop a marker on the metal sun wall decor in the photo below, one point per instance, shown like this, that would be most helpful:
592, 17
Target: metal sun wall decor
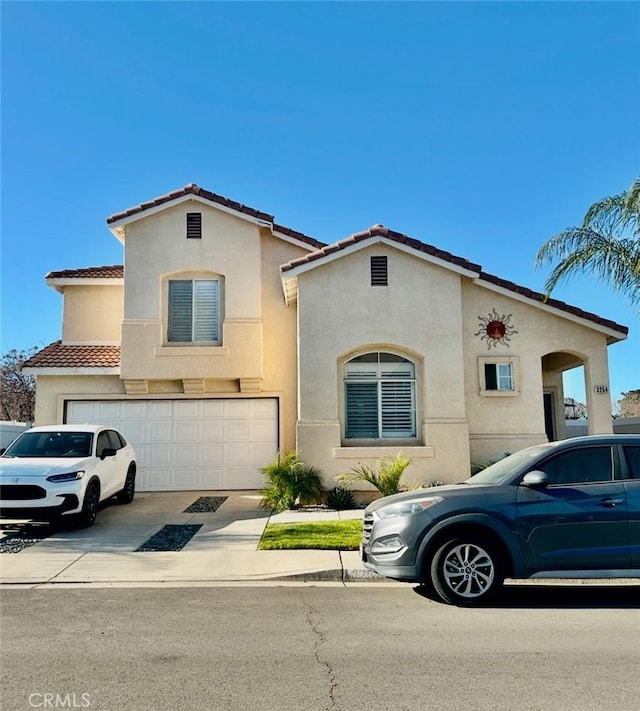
495, 329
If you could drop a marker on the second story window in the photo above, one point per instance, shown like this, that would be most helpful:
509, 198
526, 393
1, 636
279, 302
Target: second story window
194, 225
194, 311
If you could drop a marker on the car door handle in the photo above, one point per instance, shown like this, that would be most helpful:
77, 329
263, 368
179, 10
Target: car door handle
611, 502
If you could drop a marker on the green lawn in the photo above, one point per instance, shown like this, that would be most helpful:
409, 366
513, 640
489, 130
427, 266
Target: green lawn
326, 535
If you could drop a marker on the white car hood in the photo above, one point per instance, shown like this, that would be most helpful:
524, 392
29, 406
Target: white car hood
36, 467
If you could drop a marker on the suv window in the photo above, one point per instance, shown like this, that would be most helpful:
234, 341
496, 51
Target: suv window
103, 443
633, 461
580, 466
115, 441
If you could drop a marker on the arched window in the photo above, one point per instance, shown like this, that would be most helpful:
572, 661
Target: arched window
380, 397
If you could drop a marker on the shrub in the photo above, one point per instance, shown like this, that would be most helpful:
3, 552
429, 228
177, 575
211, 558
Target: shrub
340, 498
385, 476
290, 483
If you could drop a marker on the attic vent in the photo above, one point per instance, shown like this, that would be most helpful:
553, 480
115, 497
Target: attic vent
378, 271
194, 225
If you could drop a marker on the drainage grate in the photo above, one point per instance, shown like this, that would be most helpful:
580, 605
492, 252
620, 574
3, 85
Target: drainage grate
206, 504
16, 541
173, 537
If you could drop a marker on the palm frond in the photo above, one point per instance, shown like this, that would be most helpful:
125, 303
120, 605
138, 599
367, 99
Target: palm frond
606, 245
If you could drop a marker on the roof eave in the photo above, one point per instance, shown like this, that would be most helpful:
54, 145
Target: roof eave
613, 335
58, 283
118, 226
71, 370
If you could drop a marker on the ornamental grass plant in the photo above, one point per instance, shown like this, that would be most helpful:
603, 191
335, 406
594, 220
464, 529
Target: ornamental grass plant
290, 483
384, 476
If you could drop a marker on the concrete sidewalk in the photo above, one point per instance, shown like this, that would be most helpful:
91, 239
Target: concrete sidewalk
225, 548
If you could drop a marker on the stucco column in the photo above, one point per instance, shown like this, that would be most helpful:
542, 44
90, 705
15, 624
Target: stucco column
596, 375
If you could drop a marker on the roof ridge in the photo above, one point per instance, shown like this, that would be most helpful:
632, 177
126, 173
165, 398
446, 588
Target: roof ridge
194, 189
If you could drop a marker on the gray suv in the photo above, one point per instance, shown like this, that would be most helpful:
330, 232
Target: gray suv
568, 509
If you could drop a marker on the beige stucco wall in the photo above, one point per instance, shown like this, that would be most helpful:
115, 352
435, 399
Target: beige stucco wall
506, 423
156, 249
92, 313
431, 315
51, 390
258, 352
418, 315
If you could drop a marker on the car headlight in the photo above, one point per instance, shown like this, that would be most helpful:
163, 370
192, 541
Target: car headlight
408, 508
68, 476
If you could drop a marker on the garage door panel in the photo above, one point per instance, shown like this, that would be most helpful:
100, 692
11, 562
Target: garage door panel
160, 455
237, 409
186, 431
185, 455
159, 431
238, 431
211, 454
262, 432
194, 443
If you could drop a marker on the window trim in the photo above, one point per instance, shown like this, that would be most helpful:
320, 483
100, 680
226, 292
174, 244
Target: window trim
512, 362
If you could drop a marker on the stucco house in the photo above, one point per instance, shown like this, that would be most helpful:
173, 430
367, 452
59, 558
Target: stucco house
227, 337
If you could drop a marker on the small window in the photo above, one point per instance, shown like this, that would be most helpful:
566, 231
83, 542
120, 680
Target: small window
194, 311
379, 271
498, 376
194, 225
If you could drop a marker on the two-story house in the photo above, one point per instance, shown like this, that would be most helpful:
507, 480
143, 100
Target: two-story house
226, 338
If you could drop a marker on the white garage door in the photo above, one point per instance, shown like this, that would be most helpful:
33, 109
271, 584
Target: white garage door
191, 444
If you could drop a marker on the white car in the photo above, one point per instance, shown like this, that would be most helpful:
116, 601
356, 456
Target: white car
63, 472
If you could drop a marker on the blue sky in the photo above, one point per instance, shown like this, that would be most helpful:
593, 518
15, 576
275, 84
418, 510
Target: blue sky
482, 128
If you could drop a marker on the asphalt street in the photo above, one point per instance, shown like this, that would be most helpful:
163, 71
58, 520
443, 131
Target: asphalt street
323, 647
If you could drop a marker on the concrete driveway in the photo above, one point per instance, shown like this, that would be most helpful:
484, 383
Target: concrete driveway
223, 548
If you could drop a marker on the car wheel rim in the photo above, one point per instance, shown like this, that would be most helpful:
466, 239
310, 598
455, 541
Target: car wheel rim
92, 503
468, 570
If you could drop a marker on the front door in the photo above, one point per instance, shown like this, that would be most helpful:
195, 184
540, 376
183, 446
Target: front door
578, 521
549, 417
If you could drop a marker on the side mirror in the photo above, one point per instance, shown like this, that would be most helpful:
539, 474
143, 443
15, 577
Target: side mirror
2, 451
535, 479
107, 452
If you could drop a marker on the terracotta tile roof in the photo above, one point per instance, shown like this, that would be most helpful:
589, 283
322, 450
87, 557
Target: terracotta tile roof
299, 236
379, 230
555, 303
58, 355
192, 189
114, 271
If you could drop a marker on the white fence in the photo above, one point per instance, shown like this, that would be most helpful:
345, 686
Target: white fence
578, 428
10, 430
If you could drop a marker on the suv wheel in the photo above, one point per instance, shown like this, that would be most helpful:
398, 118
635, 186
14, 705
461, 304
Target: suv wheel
129, 489
467, 570
87, 516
